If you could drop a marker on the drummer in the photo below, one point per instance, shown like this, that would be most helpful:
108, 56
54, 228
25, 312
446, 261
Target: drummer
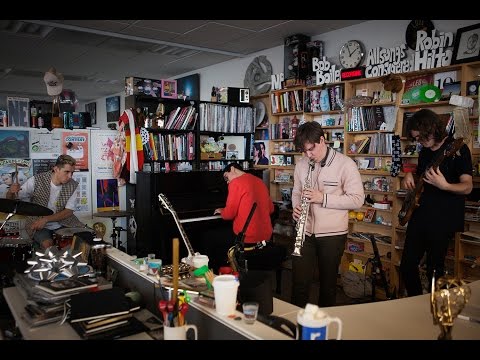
54, 189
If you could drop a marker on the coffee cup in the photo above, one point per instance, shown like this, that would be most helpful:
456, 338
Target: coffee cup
154, 266
315, 326
178, 332
199, 261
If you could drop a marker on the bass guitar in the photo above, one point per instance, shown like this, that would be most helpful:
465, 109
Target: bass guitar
167, 205
413, 196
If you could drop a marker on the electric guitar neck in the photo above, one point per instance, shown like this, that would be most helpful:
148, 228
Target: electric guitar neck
166, 204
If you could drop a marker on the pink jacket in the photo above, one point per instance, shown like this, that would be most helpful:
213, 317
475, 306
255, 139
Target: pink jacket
342, 188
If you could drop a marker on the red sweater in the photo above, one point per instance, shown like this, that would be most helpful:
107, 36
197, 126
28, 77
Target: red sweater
243, 191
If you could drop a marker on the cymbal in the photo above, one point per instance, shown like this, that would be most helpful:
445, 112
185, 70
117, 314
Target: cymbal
114, 213
23, 208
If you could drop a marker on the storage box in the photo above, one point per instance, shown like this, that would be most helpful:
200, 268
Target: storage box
211, 156
148, 87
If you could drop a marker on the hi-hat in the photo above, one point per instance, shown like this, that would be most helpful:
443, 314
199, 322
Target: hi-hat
113, 213
23, 208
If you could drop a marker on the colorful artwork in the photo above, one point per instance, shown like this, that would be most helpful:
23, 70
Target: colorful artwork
75, 144
14, 144
107, 194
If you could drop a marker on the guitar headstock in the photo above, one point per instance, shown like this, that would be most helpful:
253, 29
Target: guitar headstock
164, 201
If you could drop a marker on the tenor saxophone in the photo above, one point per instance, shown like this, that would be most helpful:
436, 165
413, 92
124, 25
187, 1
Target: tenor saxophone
305, 205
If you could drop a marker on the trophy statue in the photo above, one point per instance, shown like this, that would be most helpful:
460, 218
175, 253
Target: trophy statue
448, 298
159, 119
100, 229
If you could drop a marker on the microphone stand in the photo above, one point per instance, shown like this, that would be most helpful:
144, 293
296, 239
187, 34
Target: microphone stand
378, 269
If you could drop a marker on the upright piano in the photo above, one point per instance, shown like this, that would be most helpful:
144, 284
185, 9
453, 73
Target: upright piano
194, 196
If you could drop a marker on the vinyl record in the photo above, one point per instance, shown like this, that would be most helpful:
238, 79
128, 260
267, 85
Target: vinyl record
260, 111
429, 93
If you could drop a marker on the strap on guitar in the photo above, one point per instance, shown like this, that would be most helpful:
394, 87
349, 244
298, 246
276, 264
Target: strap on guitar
239, 245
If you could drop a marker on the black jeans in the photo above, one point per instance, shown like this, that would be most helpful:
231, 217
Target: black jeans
421, 238
328, 250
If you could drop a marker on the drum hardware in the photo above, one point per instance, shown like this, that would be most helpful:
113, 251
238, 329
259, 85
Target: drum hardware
13, 207
114, 214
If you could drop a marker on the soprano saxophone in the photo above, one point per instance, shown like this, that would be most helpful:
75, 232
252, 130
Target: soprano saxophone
305, 205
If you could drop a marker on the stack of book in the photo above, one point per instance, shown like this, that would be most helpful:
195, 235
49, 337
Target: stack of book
106, 314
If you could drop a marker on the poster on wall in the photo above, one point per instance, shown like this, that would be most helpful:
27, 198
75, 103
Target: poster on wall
102, 153
8, 168
91, 108
18, 111
14, 143
75, 144
113, 108
45, 145
42, 165
83, 203
107, 195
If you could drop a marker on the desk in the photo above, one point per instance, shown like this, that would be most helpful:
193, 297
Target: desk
16, 302
402, 319
211, 326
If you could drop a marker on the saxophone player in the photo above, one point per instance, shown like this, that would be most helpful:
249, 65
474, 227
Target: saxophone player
334, 187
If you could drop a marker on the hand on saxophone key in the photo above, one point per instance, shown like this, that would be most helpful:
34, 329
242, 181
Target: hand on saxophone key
297, 211
313, 196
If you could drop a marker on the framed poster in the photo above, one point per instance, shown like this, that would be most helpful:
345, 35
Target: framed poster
113, 108
91, 108
467, 44
169, 89
189, 86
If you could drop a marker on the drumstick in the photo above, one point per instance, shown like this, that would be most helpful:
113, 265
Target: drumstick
175, 269
16, 179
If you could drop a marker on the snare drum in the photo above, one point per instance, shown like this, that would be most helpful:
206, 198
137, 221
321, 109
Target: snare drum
63, 237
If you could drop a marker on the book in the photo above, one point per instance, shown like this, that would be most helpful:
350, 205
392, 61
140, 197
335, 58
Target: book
99, 304
65, 286
90, 324
105, 326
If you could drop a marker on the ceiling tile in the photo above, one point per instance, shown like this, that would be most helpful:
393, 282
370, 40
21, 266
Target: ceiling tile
254, 25
175, 26
212, 35
149, 33
103, 25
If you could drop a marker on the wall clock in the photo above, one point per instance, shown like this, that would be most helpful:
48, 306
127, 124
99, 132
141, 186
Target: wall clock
351, 54
413, 27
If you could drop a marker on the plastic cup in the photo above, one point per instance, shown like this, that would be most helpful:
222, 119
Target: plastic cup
250, 311
225, 288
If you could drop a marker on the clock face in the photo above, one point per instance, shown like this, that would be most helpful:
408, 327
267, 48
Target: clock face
351, 54
413, 27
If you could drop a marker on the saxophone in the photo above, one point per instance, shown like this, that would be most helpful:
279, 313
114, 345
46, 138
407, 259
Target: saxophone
305, 205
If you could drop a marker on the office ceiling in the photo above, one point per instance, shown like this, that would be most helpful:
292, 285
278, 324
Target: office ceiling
96, 55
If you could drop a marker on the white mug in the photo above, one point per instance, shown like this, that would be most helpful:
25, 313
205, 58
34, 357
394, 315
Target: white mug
316, 327
178, 332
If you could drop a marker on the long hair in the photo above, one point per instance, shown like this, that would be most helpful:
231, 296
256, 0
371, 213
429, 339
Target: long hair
427, 123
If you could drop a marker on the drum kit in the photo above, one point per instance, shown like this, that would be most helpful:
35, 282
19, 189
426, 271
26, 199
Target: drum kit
114, 214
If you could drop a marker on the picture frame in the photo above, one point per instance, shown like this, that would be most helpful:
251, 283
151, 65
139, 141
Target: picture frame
113, 108
92, 109
169, 89
189, 86
467, 44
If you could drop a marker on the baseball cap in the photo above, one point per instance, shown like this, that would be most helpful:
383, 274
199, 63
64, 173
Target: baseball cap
54, 82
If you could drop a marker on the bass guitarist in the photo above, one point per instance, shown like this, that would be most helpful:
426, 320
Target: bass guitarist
440, 210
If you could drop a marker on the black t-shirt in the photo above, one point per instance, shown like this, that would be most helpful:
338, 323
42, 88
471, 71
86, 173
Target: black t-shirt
438, 207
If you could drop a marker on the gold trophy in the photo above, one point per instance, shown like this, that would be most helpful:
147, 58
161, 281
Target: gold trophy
448, 298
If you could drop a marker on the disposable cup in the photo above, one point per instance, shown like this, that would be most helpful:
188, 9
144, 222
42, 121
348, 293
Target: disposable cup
225, 288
